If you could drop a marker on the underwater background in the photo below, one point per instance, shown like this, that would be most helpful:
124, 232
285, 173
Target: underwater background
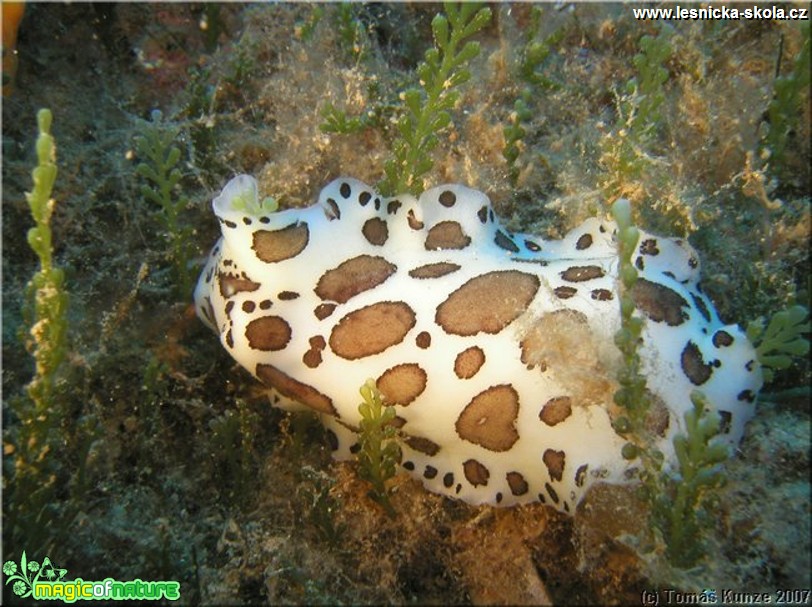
157, 457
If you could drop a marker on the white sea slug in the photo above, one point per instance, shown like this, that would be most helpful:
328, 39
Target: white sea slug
496, 349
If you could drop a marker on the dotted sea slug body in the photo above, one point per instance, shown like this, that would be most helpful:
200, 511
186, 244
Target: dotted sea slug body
495, 348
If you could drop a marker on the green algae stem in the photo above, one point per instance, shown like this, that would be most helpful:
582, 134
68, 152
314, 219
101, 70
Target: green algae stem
379, 453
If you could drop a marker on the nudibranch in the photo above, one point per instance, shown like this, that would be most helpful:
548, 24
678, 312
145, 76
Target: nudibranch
496, 349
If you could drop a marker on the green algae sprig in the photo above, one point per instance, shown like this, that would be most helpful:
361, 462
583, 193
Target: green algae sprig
625, 149
428, 107
32, 443
160, 168
632, 394
514, 133
677, 509
781, 339
379, 452
533, 57
49, 325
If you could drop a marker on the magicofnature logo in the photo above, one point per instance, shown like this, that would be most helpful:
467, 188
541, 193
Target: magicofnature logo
45, 581
29, 573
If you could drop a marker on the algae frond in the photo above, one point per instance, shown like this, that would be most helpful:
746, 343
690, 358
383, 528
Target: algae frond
428, 108
379, 452
160, 168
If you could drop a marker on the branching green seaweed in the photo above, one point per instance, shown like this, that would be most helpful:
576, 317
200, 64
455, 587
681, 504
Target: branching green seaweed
646, 95
351, 31
514, 133
534, 55
780, 340
375, 115
242, 66
677, 505
428, 108
379, 453
160, 169
624, 154
337, 121
632, 395
674, 496
319, 504
33, 442
233, 436
49, 326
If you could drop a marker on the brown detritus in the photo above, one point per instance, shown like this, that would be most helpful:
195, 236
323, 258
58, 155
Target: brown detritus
563, 341
494, 551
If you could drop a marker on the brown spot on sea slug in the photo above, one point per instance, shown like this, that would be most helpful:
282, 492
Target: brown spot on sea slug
272, 246
446, 235
659, 303
475, 473
268, 333
434, 270
372, 329
301, 392
556, 410
468, 362
375, 231
352, 277
694, 367
554, 460
401, 384
487, 303
489, 420
518, 486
